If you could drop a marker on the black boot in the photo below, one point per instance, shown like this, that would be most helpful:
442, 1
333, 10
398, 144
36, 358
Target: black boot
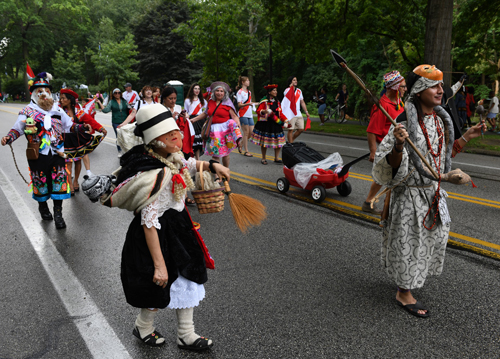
58, 219
45, 211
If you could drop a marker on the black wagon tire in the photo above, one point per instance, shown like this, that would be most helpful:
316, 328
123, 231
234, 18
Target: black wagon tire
318, 194
344, 189
283, 185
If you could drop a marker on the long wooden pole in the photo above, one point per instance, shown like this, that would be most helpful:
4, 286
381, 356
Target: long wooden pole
375, 100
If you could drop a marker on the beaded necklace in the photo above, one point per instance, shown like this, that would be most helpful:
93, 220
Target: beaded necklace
436, 157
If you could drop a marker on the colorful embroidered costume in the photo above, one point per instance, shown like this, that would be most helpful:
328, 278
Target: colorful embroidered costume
268, 131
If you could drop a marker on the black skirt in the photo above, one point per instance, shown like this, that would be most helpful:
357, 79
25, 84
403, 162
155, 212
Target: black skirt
180, 250
198, 143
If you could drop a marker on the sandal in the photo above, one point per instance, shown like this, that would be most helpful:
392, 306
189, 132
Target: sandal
150, 339
278, 161
248, 154
414, 308
199, 344
264, 162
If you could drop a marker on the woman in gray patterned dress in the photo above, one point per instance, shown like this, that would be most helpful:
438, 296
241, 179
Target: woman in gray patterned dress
416, 230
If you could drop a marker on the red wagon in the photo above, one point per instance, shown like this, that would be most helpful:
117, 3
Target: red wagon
319, 181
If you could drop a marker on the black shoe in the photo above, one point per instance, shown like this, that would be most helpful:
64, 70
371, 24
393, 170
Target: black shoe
45, 211
58, 219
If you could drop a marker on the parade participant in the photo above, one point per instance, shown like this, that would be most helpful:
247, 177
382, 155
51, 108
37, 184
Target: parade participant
163, 260
147, 93
416, 231
88, 105
225, 134
379, 126
78, 145
119, 112
47, 167
461, 104
156, 94
169, 99
470, 103
131, 96
492, 111
194, 105
268, 131
321, 105
342, 97
244, 101
292, 101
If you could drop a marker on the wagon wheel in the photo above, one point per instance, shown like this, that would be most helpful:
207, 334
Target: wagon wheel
318, 193
344, 189
283, 185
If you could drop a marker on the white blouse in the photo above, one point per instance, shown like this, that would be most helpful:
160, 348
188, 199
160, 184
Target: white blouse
166, 200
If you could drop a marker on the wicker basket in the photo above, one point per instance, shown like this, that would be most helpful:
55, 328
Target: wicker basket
211, 201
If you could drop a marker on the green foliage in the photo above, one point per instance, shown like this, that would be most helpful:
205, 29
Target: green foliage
162, 56
69, 68
13, 86
115, 61
227, 37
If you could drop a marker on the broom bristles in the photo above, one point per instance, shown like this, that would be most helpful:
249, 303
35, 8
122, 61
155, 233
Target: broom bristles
247, 211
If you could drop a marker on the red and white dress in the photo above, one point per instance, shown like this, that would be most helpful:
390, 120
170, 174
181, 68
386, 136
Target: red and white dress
291, 103
194, 109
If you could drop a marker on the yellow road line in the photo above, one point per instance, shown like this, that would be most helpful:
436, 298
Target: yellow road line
297, 194
460, 197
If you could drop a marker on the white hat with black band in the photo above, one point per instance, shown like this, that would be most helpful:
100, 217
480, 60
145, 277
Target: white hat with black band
153, 121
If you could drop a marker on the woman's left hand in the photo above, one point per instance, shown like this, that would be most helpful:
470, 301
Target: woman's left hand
222, 171
104, 132
88, 128
475, 131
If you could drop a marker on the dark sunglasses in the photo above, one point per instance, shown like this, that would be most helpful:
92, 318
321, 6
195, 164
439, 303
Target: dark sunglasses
119, 93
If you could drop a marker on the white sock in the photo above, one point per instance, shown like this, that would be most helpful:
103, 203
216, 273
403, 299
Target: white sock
144, 323
89, 173
185, 327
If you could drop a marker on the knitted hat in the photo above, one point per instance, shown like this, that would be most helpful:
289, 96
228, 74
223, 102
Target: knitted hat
95, 186
392, 80
41, 80
153, 121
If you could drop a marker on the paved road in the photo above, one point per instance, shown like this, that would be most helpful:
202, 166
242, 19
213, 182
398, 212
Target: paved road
306, 284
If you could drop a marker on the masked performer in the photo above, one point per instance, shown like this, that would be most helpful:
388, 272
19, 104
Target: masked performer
163, 259
416, 231
45, 147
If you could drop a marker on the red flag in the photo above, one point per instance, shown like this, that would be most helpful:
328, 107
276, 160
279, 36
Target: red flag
290, 95
29, 71
308, 123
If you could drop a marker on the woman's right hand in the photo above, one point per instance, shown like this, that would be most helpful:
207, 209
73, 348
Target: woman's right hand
400, 134
4, 140
160, 276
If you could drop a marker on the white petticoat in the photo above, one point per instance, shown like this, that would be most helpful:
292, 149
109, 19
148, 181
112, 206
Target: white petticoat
185, 294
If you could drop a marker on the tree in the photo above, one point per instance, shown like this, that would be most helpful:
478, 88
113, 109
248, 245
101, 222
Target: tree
115, 61
69, 68
33, 26
162, 53
226, 37
438, 36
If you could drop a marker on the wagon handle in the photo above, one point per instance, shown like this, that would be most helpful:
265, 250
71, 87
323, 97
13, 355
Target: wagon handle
345, 169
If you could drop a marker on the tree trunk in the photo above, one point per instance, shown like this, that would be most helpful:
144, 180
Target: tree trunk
438, 36
25, 58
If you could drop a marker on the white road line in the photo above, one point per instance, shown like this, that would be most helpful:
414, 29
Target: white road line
366, 149
470, 164
334, 145
100, 338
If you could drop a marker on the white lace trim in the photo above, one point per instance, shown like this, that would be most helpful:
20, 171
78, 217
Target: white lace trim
185, 293
165, 201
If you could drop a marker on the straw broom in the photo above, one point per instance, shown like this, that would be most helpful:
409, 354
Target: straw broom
246, 211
